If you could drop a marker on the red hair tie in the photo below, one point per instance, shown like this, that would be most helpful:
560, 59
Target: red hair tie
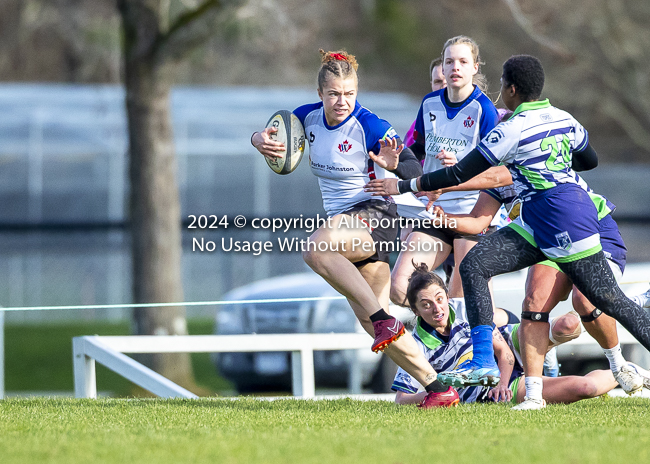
338, 56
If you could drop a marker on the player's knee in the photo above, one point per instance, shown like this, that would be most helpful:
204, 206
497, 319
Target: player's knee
470, 268
311, 258
397, 295
586, 388
531, 303
567, 326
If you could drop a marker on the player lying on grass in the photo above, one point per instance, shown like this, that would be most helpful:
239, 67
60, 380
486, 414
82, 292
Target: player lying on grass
444, 336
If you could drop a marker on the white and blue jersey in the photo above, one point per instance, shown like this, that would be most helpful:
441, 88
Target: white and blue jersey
338, 155
446, 353
456, 129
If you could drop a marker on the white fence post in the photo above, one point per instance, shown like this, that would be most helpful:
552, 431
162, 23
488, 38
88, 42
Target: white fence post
302, 373
108, 351
85, 383
88, 349
354, 376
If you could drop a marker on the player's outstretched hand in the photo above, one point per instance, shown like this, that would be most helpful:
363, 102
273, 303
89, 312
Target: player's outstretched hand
500, 393
432, 196
447, 158
266, 145
388, 156
382, 187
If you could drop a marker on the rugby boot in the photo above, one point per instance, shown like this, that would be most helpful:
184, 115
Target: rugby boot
386, 332
444, 399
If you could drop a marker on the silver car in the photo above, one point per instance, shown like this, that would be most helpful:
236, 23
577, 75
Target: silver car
272, 371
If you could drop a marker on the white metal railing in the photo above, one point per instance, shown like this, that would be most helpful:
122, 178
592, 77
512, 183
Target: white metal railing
108, 351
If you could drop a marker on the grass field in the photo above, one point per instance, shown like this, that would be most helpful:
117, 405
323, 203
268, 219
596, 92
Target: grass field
224, 431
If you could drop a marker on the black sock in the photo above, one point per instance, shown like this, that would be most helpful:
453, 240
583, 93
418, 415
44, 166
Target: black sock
436, 387
380, 315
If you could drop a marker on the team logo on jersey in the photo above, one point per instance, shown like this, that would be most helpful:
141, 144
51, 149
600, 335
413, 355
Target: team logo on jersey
495, 136
345, 146
312, 137
469, 122
564, 240
432, 117
546, 117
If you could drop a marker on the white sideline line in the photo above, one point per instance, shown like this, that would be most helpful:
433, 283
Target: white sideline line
360, 397
221, 302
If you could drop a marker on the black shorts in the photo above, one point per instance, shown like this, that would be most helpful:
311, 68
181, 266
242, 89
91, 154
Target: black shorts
381, 212
449, 235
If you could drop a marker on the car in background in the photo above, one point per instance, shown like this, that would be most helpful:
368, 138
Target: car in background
271, 371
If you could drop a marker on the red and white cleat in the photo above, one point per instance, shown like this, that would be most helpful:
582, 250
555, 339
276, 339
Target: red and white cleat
386, 332
445, 399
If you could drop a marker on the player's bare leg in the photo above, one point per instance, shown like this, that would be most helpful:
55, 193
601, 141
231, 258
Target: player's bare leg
572, 388
603, 329
404, 351
435, 254
367, 289
336, 263
545, 288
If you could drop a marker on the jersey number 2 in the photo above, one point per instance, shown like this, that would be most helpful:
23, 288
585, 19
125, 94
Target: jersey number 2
555, 163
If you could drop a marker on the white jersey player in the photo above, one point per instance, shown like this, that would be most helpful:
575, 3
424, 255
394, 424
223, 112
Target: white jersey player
350, 146
450, 123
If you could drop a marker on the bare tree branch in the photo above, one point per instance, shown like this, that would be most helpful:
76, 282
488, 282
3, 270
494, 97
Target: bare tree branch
529, 28
617, 110
188, 31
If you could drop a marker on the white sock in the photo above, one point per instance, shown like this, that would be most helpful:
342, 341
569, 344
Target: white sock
615, 358
534, 388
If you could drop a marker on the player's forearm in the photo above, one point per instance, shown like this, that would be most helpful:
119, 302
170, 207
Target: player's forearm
506, 363
468, 224
471, 165
408, 166
496, 176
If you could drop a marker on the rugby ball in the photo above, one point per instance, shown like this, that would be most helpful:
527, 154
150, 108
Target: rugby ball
292, 135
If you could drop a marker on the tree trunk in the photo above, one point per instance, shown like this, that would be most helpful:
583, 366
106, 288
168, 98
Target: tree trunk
155, 216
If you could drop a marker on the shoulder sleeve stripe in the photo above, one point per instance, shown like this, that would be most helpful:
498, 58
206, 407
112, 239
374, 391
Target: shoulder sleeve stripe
584, 143
487, 154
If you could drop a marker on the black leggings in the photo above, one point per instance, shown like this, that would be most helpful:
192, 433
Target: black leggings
498, 253
507, 251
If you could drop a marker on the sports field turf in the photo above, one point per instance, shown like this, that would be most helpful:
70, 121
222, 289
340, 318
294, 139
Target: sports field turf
225, 431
